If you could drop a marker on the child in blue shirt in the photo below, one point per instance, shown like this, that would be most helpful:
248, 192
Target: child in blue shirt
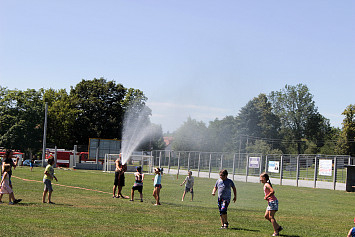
224, 185
157, 186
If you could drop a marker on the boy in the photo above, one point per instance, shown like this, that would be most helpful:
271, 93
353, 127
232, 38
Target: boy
47, 180
189, 180
224, 185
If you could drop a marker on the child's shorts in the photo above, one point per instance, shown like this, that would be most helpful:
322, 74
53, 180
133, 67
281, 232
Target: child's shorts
223, 206
158, 186
273, 206
189, 190
47, 185
139, 188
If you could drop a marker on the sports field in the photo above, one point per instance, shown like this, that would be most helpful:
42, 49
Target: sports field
85, 207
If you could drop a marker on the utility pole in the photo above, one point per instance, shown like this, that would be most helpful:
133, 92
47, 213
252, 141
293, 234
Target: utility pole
44, 135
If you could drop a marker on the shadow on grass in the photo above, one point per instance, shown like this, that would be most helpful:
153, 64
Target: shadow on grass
42, 204
290, 235
243, 229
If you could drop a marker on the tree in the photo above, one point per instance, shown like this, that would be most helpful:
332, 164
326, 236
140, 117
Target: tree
191, 136
222, 134
296, 109
256, 119
21, 119
62, 114
346, 143
99, 109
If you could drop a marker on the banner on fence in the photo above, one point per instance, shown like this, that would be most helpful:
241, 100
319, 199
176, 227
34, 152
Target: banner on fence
254, 162
274, 166
325, 167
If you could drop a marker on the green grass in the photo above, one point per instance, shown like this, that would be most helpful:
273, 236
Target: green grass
77, 212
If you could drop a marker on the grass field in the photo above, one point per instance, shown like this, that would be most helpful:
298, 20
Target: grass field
79, 212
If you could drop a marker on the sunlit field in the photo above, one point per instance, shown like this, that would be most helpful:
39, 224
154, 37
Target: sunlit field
85, 207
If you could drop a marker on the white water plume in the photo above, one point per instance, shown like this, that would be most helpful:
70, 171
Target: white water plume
136, 129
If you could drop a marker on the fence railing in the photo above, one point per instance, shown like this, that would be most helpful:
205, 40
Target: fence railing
311, 168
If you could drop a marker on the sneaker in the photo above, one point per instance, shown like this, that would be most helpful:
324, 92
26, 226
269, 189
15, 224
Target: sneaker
275, 234
141, 200
226, 225
51, 202
131, 200
17, 200
11, 203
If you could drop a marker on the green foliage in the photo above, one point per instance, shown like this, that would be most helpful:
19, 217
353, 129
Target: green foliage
192, 135
346, 143
21, 119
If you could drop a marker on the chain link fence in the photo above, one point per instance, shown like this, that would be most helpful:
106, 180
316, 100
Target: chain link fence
309, 170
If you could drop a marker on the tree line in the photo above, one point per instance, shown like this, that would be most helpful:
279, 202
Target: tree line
284, 122
92, 109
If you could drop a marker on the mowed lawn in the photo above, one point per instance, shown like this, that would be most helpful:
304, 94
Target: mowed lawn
80, 212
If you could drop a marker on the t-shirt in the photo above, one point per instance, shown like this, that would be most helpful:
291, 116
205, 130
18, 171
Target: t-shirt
224, 188
189, 182
353, 232
50, 170
157, 179
138, 179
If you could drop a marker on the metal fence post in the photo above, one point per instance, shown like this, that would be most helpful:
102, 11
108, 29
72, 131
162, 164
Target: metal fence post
261, 164
198, 165
233, 166
188, 161
178, 171
266, 164
281, 169
315, 172
247, 169
335, 172
209, 167
297, 170
221, 162
169, 162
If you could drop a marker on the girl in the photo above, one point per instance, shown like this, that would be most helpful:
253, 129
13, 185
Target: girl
273, 203
352, 231
138, 184
157, 186
5, 185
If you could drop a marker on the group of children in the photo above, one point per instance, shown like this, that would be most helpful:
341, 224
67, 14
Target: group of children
6, 184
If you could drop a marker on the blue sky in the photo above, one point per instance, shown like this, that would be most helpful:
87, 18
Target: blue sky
199, 58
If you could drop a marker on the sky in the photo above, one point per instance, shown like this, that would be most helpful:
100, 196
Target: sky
202, 59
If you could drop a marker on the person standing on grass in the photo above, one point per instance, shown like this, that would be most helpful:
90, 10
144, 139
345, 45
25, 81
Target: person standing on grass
32, 162
7, 159
189, 186
352, 231
157, 186
47, 180
224, 185
119, 178
5, 186
273, 203
138, 183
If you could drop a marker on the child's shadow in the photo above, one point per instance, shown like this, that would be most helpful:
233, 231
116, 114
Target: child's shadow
42, 204
290, 235
243, 229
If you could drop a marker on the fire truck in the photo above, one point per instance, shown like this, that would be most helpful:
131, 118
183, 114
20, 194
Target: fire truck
16, 154
63, 157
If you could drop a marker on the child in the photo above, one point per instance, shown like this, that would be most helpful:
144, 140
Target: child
189, 180
273, 203
47, 180
5, 186
157, 186
138, 184
352, 231
224, 185
119, 178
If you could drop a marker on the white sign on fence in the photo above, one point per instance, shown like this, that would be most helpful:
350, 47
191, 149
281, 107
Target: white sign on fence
274, 166
254, 162
325, 167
